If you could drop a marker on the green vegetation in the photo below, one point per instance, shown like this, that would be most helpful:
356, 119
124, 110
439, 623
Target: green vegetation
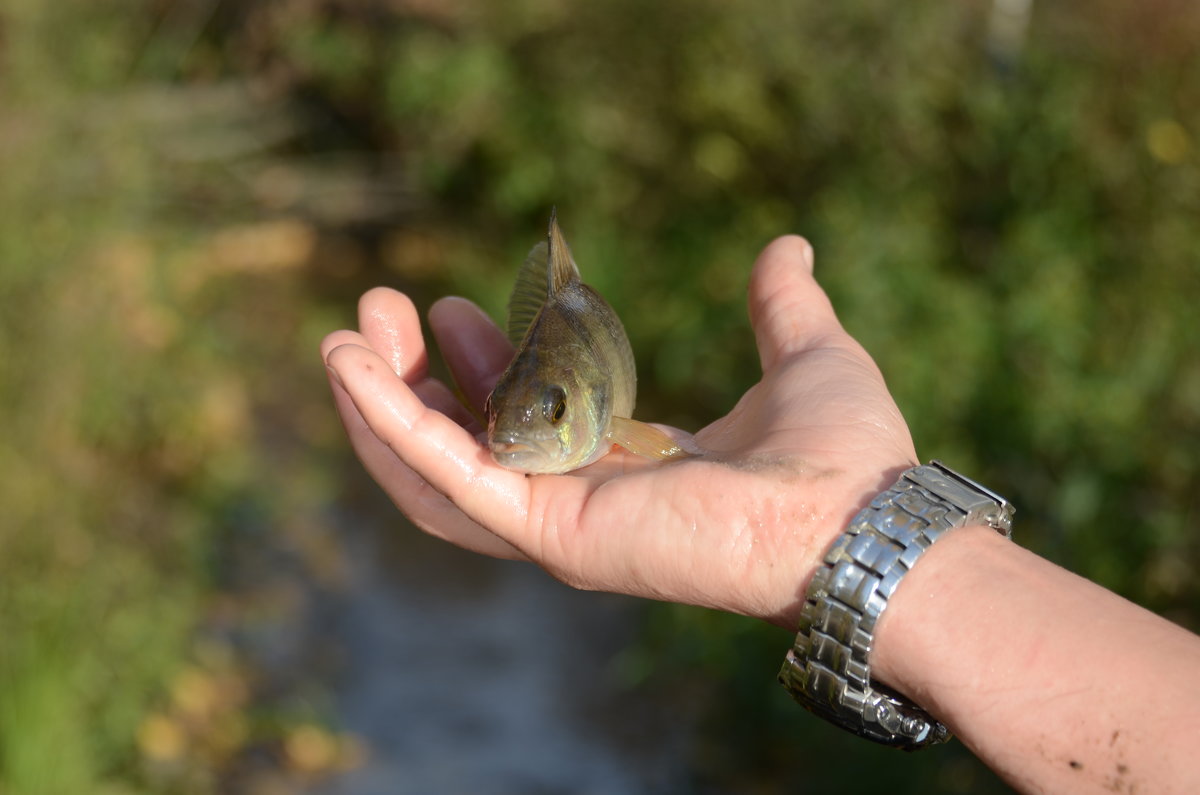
191, 194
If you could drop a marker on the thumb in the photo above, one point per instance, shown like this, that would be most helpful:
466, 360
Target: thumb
788, 309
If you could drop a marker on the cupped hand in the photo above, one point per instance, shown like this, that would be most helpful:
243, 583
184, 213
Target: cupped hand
740, 527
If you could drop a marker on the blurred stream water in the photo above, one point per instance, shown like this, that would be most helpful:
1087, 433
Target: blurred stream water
465, 674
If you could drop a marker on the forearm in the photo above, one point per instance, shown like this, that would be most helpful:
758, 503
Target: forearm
1056, 683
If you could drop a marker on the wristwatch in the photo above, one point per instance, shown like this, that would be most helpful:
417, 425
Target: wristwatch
827, 669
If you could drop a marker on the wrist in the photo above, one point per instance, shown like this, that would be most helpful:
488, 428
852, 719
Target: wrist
910, 641
829, 669
845, 495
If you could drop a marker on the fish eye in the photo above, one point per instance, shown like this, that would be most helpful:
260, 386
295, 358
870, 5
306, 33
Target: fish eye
554, 404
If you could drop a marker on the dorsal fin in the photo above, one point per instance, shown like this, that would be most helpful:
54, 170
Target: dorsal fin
562, 267
529, 292
546, 270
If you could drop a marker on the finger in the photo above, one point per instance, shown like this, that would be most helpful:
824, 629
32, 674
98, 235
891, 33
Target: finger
338, 338
475, 348
389, 322
788, 309
441, 452
424, 506
433, 394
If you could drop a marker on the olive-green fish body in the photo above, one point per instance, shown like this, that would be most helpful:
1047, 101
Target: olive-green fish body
568, 394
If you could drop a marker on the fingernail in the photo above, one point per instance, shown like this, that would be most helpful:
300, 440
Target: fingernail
807, 256
333, 374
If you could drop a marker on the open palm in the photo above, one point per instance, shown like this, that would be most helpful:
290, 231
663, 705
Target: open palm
740, 526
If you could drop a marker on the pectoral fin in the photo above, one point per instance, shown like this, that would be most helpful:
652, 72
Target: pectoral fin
644, 440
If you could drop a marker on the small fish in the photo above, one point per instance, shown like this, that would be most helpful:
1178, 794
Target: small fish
567, 396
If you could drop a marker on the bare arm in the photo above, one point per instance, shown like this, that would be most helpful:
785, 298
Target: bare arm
1054, 682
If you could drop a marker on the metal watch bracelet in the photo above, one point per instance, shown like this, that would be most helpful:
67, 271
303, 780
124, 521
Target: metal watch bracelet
827, 669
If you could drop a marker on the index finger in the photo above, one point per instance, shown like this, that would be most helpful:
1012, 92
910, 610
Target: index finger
439, 450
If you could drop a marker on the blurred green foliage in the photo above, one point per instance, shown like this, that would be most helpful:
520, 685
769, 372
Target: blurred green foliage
192, 193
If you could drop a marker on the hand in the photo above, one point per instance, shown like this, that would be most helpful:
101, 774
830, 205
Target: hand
740, 527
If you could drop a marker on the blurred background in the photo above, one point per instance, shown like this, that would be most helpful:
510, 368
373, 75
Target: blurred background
200, 591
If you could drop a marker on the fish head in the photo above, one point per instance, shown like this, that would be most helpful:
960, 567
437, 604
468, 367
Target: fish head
550, 422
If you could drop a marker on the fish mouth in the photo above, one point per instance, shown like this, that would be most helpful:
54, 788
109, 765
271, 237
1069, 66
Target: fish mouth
522, 455
510, 448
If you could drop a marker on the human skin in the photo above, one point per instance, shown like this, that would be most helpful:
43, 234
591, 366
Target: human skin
1054, 682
